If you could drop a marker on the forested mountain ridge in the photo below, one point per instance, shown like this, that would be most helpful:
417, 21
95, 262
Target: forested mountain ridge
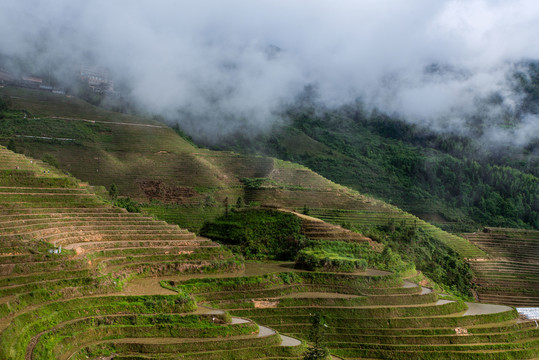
452, 179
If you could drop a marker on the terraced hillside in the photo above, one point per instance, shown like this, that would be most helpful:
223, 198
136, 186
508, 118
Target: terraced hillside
371, 316
70, 265
316, 229
510, 275
371, 213
68, 262
178, 182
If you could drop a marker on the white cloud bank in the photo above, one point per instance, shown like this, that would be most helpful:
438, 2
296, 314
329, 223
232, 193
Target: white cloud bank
214, 58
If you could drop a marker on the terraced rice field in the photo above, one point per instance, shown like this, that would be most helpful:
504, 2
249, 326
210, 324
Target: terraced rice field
510, 274
150, 162
372, 212
316, 229
65, 259
371, 317
70, 264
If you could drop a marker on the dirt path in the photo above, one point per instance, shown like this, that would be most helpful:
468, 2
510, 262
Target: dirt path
105, 122
45, 138
443, 302
301, 216
262, 332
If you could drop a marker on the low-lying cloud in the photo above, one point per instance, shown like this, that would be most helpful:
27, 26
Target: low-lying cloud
221, 66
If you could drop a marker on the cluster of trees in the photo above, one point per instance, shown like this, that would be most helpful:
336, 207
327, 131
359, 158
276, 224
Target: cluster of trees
3, 107
321, 259
258, 233
435, 259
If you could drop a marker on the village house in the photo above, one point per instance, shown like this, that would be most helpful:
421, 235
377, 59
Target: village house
97, 78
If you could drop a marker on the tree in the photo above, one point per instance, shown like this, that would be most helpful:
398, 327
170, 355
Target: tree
3, 105
316, 335
11, 145
51, 160
113, 191
209, 201
226, 206
239, 203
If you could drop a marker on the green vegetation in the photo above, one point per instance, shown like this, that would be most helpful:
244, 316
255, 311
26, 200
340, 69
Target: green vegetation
14, 339
113, 191
225, 348
51, 160
439, 255
254, 183
127, 203
188, 217
11, 145
58, 304
445, 178
237, 287
179, 131
258, 233
350, 256
434, 258
328, 261
18, 123
3, 107
510, 275
351, 325
316, 336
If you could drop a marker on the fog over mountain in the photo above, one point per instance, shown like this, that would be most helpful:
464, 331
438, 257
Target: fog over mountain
218, 66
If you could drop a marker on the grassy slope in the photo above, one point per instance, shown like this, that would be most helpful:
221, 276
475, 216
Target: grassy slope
511, 273
129, 155
104, 247
445, 179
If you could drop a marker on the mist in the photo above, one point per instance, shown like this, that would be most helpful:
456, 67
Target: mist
217, 67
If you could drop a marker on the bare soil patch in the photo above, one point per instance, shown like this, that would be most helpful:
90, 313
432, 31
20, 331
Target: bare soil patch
265, 304
159, 190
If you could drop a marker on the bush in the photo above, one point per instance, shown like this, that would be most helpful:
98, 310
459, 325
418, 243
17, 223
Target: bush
127, 203
327, 261
253, 183
431, 256
258, 233
51, 160
3, 107
349, 256
113, 191
11, 145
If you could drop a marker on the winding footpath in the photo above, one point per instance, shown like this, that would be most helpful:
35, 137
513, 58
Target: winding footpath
264, 331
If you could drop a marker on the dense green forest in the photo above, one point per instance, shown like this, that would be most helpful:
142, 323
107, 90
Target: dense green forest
446, 178
258, 234
456, 180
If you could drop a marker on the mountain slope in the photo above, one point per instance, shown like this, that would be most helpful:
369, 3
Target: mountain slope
445, 178
57, 305
186, 185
